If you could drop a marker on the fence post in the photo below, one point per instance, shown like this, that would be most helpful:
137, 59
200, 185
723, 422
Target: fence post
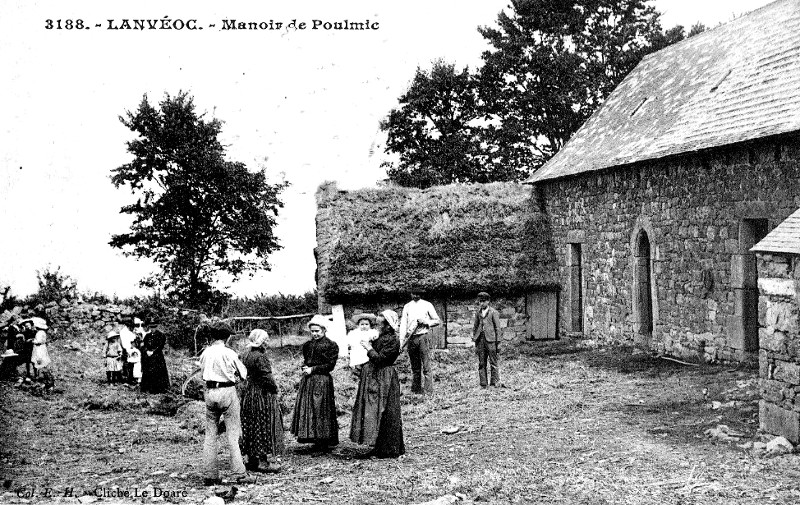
280, 332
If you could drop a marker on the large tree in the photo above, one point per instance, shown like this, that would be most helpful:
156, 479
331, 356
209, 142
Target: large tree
433, 131
550, 65
196, 213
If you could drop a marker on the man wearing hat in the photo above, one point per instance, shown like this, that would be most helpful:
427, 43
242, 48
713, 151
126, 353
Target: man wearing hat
221, 369
486, 335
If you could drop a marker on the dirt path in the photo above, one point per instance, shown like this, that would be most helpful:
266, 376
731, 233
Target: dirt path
573, 426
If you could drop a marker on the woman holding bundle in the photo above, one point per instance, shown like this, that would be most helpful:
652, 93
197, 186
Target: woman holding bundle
377, 422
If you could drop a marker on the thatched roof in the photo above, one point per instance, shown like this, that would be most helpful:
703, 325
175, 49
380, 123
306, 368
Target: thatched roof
456, 239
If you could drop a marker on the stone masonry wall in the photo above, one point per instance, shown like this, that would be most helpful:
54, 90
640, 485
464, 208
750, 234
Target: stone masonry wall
779, 342
691, 208
75, 318
460, 314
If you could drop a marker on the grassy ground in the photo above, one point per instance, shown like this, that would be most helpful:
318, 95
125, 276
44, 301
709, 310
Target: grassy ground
574, 425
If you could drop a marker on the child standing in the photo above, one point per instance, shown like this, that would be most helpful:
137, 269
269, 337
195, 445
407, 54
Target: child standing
113, 353
40, 358
135, 358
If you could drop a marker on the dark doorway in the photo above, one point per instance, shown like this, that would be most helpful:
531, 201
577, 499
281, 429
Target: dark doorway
575, 288
643, 298
751, 231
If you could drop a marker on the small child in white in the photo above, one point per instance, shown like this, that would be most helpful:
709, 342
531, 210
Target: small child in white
135, 357
364, 332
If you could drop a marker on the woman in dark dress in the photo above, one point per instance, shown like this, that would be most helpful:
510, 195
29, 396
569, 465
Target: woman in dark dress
155, 377
262, 421
376, 413
314, 419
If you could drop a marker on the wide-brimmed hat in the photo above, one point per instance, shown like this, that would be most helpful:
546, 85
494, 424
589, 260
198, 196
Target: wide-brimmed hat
364, 315
112, 334
257, 338
392, 319
8, 354
318, 320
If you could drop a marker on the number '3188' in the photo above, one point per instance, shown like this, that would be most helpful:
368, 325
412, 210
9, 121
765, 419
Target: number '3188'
64, 24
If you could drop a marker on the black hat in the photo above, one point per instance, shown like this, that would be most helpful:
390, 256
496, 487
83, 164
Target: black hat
220, 330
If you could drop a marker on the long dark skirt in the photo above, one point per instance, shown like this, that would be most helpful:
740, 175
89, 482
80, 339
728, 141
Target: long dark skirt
155, 377
262, 422
376, 412
314, 419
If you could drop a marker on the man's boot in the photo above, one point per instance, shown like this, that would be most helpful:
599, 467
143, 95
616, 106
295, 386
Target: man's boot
416, 382
428, 384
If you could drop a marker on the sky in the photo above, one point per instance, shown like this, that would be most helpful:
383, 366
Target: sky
304, 104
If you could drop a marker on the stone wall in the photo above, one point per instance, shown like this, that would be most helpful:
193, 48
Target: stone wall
779, 342
459, 317
691, 209
75, 318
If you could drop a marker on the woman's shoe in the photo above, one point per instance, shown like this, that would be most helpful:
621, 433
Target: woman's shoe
366, 455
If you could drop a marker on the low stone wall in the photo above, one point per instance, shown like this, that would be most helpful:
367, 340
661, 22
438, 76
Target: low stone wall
460, 315
74, 318
779, 342
87, 319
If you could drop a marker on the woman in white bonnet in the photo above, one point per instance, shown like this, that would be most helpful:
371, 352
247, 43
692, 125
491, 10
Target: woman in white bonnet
314, 420
376, 420
262, 420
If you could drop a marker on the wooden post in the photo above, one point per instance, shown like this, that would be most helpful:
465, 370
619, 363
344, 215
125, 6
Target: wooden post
280, 332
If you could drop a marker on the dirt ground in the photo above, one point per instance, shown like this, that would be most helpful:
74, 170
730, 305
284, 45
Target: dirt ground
573, 425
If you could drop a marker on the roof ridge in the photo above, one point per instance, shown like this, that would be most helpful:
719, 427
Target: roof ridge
751, 59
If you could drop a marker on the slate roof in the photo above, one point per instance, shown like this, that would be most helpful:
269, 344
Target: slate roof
785, 238
737, 82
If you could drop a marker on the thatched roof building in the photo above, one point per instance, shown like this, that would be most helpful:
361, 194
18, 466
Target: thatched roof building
447, 241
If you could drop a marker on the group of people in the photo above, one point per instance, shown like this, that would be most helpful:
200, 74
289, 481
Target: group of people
135, 356
252, 416
26, 344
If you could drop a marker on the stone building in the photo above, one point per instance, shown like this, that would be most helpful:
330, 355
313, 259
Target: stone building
448, 242
655, 202
779, 329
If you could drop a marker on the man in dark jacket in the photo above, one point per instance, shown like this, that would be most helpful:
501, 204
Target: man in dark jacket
486, 335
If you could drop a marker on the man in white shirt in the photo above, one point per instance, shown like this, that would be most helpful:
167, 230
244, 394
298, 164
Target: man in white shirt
222, 368
417, 319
